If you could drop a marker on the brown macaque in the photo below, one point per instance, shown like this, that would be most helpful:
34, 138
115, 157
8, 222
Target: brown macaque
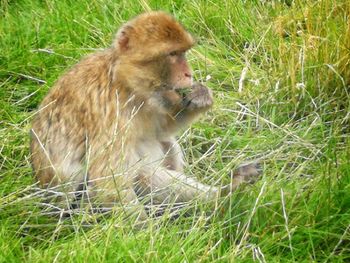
106, 131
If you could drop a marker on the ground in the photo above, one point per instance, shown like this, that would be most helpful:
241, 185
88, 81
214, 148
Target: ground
280, 74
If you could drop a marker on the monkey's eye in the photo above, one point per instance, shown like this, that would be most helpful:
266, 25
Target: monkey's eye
173, 53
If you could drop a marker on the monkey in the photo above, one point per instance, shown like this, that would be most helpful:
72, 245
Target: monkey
107, 128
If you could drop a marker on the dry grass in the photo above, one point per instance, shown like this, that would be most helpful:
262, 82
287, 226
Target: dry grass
280, 74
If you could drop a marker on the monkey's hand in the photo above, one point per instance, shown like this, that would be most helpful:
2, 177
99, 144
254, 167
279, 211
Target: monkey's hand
200, 97
185, 108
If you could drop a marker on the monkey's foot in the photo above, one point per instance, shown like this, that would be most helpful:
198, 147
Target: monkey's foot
246, 173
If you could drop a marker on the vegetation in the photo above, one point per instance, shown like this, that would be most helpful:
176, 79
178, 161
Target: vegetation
280, 71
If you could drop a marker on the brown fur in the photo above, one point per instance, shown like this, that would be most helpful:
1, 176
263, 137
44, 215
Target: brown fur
109, 122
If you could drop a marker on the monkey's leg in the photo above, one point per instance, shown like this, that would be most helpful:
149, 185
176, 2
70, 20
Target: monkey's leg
173, 159
110, 186
108, 193
132, 206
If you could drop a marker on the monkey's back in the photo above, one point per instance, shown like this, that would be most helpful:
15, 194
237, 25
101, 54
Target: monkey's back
76, 110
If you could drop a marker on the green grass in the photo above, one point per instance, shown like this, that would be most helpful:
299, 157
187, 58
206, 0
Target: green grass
280, 71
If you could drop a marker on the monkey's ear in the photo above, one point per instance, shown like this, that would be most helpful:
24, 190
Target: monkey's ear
122, 41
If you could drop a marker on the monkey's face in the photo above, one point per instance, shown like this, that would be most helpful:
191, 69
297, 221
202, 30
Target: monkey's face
170, 71
180, 75
151, 48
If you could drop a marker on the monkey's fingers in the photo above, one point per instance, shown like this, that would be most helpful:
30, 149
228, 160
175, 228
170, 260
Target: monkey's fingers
200, 97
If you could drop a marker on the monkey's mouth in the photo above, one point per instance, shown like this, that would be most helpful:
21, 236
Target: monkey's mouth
176, 88
183, 92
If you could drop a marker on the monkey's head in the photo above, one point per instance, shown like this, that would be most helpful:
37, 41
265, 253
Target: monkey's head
151, 49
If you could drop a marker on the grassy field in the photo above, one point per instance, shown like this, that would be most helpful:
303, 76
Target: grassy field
280, 72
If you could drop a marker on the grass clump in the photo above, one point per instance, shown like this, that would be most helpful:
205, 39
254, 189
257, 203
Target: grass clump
280, 74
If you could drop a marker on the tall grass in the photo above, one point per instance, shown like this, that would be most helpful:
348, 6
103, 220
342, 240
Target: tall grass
281, 76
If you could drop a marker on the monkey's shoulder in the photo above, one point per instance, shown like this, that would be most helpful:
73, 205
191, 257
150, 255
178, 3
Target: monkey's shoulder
89, 70
90, 75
